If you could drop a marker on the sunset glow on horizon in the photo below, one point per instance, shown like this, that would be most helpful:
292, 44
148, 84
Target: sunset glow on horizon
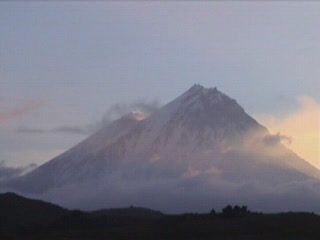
302, 126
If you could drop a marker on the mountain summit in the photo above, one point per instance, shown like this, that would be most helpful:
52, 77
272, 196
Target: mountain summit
201, 149
207, 107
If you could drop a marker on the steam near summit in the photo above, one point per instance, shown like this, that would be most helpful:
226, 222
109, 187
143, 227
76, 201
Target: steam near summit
199, 150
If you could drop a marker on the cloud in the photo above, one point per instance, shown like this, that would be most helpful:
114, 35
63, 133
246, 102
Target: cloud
118, 110
274, 139
196, 193
62, 129
20, 111
71, 130
23, 129
303, 127
7, 172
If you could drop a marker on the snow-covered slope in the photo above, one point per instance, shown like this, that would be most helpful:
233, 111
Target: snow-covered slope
203, 138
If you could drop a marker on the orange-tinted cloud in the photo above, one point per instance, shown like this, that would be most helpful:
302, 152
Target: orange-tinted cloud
19, 111
302, 126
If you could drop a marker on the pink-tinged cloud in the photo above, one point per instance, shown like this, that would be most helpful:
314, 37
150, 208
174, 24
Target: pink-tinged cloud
302, 126
20, 111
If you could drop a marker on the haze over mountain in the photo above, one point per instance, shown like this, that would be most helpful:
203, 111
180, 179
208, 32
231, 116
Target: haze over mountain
198, 151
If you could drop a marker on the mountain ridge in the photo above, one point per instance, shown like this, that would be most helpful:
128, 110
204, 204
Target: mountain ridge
201, 140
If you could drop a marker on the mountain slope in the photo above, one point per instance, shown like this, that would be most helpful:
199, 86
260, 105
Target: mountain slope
202, 145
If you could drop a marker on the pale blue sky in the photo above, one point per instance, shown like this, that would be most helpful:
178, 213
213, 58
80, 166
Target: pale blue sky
64, 64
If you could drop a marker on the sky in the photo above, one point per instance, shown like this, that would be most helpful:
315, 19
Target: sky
67, 68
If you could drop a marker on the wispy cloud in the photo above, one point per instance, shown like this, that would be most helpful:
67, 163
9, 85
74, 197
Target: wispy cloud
120, 109
29, 130
20, 111
62, 129
116, 111
303, 127
274, 139
71, 130
7, 172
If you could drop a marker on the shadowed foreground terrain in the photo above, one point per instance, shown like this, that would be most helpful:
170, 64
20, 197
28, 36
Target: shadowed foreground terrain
22, 218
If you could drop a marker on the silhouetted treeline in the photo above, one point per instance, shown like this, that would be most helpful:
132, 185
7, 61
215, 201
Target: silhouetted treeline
233, 222
235, 211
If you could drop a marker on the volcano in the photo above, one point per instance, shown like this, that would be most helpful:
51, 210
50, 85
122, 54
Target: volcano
199, 151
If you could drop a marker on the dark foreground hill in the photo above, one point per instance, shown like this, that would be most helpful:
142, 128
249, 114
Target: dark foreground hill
22, 218
18, 213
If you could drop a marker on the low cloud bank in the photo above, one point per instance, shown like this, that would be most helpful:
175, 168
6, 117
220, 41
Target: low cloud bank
199, 194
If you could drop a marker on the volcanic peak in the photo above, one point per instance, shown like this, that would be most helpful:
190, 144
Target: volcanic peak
200, 97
